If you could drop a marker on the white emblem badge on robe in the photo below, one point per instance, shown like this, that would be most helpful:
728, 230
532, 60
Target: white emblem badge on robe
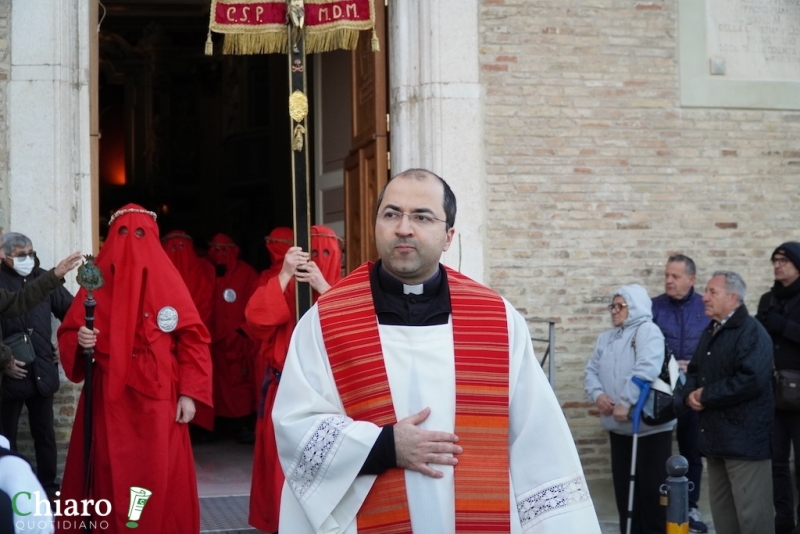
167, 319
229, 295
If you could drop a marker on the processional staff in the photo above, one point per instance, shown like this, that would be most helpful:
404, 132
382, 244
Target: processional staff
294, 28
90, 277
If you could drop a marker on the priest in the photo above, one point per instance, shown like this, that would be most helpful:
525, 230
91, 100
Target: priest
411, 400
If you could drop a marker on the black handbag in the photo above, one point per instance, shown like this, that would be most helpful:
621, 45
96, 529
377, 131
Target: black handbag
659, 406
21, 347
787, 390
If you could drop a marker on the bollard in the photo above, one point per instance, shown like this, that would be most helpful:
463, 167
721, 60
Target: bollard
676, 494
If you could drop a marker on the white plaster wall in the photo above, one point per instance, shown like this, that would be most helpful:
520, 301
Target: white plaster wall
48, 118
436, 104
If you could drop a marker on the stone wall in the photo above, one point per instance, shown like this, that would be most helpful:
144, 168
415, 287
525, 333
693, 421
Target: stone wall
45, 157
5, 68
595, 174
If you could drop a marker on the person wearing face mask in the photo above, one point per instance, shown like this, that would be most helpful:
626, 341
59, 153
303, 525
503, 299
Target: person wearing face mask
32, 385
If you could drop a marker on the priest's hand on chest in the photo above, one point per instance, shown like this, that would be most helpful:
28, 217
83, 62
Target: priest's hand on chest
415, 448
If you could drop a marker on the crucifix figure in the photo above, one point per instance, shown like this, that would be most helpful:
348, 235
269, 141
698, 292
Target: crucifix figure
296, 13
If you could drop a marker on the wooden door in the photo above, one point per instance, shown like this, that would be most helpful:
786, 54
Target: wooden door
367, 166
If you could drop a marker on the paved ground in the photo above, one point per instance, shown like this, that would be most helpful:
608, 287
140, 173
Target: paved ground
603, 496
223, 476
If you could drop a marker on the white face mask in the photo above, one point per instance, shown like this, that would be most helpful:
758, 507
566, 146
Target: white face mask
23, 265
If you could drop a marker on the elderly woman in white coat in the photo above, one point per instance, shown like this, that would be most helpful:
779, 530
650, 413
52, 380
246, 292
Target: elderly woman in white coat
634, 347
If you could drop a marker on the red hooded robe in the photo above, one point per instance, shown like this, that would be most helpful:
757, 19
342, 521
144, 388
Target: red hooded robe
271, 315
198, 274
151, 348
232, 351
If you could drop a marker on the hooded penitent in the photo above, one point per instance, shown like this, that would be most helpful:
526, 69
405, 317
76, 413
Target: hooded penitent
326, 253
151, 348
196, 273
271, 315
232, 350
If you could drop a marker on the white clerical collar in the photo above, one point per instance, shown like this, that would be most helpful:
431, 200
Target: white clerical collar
413, 290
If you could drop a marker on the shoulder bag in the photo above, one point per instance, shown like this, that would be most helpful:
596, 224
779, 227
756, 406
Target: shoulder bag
21, 345
659, 408
787, 381
787, 390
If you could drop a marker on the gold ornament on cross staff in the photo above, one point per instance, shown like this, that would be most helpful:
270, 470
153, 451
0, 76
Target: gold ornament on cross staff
298, 106
298, 137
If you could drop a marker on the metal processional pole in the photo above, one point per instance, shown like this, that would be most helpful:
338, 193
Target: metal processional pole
298, 111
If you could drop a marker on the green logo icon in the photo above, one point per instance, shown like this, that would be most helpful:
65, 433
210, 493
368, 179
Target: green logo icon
139, 498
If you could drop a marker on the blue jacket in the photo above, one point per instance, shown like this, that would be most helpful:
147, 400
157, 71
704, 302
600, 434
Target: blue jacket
681, 321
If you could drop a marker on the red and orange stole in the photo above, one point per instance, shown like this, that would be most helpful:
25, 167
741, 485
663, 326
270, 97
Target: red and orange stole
480, 337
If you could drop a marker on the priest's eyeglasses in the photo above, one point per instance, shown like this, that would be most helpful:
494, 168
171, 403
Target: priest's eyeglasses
779, 261
617, 307
420, 220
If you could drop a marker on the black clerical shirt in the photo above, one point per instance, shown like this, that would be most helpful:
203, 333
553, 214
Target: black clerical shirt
394, 307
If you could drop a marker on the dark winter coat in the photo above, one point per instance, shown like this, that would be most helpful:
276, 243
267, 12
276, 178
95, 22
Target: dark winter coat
43, 377
785, 333
681, 321
734, 368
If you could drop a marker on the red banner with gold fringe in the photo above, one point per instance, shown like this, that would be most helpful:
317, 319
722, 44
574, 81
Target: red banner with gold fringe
260, 26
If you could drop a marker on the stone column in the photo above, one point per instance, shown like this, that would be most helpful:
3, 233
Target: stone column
436, 103
48, 127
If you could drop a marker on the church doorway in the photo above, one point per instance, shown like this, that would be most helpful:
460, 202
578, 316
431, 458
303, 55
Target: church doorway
204, 141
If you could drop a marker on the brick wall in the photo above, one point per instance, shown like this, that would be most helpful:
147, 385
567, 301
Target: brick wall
595, 174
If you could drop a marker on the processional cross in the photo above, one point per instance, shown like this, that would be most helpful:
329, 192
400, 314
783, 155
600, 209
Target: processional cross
294, 28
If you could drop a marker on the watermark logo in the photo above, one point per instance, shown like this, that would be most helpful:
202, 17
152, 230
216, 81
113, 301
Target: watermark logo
139, 498
37, 512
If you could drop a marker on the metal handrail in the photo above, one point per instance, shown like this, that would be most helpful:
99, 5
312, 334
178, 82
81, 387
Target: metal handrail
550, 352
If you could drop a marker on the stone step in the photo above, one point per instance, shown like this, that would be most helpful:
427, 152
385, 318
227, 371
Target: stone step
225, 515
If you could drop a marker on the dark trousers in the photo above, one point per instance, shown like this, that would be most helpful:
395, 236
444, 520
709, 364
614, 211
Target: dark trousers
6, 513
785, 435
688, 435
649, 517
40, 417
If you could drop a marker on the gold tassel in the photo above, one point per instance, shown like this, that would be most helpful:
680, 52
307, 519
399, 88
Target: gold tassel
209, 45
376, 44
332, 40
250, 44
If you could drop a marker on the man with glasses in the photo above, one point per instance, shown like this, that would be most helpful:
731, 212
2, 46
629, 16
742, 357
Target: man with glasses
679, 312
32, 385
779, 312
411, 399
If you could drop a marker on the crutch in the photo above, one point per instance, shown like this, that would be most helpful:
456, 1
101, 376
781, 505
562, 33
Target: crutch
644, 386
